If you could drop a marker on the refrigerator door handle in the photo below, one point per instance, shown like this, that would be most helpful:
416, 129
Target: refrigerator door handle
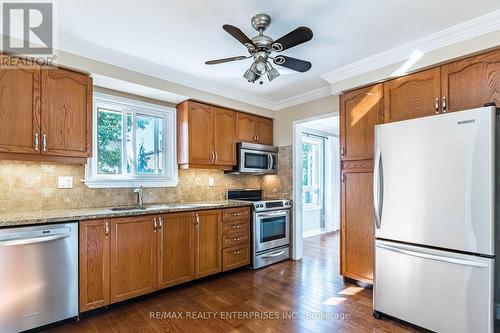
457, 261
377, 188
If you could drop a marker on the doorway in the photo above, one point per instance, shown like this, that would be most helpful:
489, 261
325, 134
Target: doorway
316, 179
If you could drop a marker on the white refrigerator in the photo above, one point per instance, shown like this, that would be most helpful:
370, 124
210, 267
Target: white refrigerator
434, 203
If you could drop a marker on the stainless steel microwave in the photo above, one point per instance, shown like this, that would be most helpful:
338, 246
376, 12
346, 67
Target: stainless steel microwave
256, 159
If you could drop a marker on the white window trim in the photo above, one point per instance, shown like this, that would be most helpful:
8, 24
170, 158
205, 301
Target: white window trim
318, 180
171, 176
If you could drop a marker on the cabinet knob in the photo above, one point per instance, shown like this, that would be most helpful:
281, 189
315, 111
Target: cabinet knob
237, 226
236, 252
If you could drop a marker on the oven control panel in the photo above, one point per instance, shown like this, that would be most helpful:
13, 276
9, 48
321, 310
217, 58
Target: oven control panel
272, 205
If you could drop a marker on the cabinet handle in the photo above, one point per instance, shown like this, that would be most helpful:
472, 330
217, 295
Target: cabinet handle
44, 142
237, 239
154, 224
213, 156
36, 141
160, 223
216, 157
436, 105
444, 104
106, 229
257, 136
236, 214
237, 226
342, 178
236, 252
197, 223
342, 149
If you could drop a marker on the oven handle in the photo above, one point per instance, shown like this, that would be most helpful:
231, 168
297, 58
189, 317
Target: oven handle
280, 213
272, 255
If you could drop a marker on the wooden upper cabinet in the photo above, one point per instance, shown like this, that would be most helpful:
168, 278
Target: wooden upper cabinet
254, 129
133, 257
177, 247
264, 130
245, 123
472, 82
357, 225
360, 111
94, 264
20, 94
201, 133
412, 96
224, 136
66, 122
209, 242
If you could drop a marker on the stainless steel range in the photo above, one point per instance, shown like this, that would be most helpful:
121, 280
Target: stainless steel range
270, 227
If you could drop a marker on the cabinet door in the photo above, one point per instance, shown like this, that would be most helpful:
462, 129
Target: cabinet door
224, 136
209, 242
472, 82
177, 249
133, 257
246, 131
94, 264
19, 110
412, 96
360, 111
357, 238
264, 130
66, 120
201, 132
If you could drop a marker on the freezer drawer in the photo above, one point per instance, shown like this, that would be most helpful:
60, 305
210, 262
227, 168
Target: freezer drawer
438, 290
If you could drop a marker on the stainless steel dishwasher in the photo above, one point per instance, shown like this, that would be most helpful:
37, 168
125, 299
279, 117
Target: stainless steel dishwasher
38, 275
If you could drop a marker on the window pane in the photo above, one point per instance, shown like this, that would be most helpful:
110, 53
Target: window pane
149, 149
307, 164
109, 141
130, 150
311, 197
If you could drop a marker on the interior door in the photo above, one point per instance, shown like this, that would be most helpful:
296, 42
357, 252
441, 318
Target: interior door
209, 242
66, 121
224, 136
459, 286
177, 249
434, 180
360, 111
20, 95
201, 134
412, 96
133, 257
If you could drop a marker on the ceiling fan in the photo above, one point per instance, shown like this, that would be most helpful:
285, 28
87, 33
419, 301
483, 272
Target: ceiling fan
261, 47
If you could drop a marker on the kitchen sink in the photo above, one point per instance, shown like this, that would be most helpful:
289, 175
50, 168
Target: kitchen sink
126, 208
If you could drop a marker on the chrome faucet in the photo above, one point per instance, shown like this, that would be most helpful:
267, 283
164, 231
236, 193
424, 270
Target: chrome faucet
139, 192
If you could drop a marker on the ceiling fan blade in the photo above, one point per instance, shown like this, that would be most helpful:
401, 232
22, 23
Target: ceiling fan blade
293, 38
293, 63
238, 34
220, 61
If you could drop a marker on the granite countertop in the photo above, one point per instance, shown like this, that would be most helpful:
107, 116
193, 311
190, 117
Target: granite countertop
65, 215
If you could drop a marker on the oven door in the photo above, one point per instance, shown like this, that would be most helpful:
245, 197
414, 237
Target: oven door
258, 161
272, 229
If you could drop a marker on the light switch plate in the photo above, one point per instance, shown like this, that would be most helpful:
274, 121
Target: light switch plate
65, 182
210, 182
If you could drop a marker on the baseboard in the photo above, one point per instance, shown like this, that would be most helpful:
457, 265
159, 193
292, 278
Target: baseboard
312, 233
497, 311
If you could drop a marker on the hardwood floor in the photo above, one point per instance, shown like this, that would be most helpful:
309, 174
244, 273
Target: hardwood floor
240, 301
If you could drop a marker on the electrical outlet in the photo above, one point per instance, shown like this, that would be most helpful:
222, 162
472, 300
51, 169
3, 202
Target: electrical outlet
65, 182
210, 182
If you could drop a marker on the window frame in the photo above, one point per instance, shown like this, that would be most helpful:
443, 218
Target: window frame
169, 178
317, 172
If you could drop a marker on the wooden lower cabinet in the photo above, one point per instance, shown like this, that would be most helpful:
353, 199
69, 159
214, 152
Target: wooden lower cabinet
95, 247
237, 256
177, 245
236, 238
357, 222
133, 257
208, 259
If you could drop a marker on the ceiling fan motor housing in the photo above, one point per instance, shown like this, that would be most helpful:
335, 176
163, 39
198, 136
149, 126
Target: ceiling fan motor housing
260, 22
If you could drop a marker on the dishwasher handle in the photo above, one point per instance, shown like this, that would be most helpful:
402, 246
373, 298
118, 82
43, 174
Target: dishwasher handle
32, 240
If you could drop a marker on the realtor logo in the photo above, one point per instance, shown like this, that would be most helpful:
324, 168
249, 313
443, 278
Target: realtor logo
28, 28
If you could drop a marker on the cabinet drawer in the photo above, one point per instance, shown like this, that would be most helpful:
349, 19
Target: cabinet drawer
237, 226
236, 257
236, 214
234, 239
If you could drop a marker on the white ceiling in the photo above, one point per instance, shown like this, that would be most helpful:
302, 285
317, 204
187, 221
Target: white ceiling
328, 125
181, 35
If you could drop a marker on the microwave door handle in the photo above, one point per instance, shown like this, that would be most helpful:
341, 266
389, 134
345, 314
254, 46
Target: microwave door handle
270, 162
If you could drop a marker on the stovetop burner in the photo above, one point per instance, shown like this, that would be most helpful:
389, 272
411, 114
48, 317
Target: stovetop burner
259, 204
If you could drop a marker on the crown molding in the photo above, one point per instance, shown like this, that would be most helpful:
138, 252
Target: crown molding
303, 98
92, 51
475, 27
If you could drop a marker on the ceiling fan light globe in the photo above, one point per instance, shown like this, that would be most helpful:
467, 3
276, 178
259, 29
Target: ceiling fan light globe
250, 76
261, 68
272, 74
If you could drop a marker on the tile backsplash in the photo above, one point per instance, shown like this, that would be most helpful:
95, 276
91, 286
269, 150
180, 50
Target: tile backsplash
26, 186
33, 186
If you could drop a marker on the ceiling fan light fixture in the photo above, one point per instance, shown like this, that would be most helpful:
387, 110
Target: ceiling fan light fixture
272, 74
250, 75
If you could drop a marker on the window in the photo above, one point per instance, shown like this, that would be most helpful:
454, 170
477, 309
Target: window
134, 144
312, 171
